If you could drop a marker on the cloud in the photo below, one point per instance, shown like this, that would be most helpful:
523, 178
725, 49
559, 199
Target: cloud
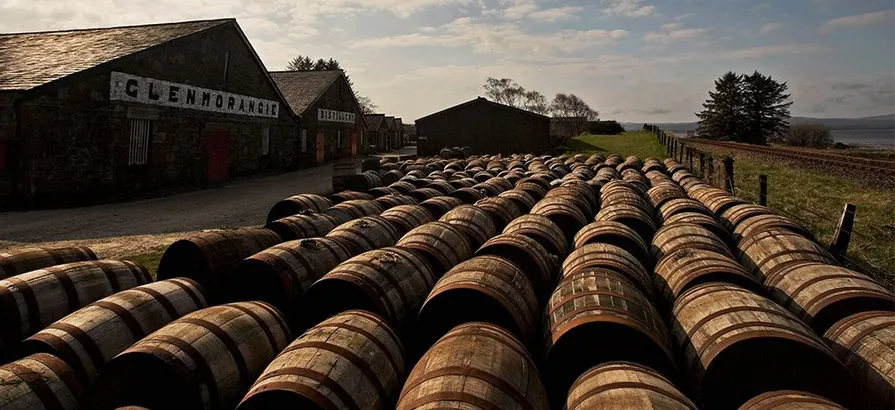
629, 8
670, 36
859, 20
672, 26
847, 96
556, 14
767, 28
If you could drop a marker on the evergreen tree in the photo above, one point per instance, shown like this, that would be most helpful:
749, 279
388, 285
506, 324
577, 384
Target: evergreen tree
767, 108
305, 63
723, 116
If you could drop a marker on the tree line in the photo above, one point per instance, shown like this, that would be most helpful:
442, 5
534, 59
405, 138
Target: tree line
508, 92
306, 63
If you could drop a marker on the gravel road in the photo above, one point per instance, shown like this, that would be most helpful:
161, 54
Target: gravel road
124, 229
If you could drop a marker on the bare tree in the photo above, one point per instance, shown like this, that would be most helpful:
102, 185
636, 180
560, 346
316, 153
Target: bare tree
504, 91
573, 107
366, 104
536, 103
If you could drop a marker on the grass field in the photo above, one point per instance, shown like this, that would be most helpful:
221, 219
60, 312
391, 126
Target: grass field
148, 260
639, 143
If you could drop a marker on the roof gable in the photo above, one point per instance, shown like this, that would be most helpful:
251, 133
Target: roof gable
29, 60
374, 121
303, 88
482, 100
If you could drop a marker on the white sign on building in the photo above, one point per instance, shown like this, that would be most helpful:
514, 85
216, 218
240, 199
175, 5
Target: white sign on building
335, 116
143, 90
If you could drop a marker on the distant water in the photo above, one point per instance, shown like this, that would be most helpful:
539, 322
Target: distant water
866, 138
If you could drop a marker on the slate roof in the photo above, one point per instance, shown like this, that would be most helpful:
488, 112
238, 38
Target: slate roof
482, 100
374, 121
302, 88
28, 60
390, 121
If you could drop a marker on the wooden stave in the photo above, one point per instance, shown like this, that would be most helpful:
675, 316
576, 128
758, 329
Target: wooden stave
365, 234
451, 247
302, 226
543, 230
632, 216
615, 233
574, 195
540, 267
674, 277
473, 221
349, 210
685, 235
349, 195
593, 256
733, 216
501, 210
789, 248
760, 223
679, 205
29, 259
390, 201
625, 385
406, 217
708, 222
297, 204
402, 186
468, 195
563, 212
441, 205
40, 381
789, 400
864, 342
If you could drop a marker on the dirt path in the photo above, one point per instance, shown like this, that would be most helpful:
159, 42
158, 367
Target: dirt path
132, 228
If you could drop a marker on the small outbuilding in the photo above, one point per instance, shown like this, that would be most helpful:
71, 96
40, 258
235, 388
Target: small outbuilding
485, 126
377, 131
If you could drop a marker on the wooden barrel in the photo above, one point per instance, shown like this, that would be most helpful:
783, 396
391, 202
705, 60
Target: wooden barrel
39, 381
473, 221
305, 225
768, 251
625, 385
615, 233
353, 360
543, 231
535, 187
762, 223
483, 176
523, 200
670, 238
365, 234
391, 282
584, 309
683, 269
364, 181
611, 257
490, 188
442, 244
535, 262
91, 336
822, 294
345, 196
297, 204
486, 288
733, 216
500, 210
391, 201
661, 193
679, 205
280, 275
738, 345
789, 400
391, 176
211, 255
422, 194
866, 343
564, 213
441, 205
575, 195
476, 365
631, 216
206, 359
462, 182
618, 194
589, 193
705, 221
468, 195
33, 300
353, 209
406, 217
717, 200
443, 187
28, 259
403, 186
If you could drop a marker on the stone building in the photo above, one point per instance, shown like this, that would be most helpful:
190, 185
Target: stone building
377, 131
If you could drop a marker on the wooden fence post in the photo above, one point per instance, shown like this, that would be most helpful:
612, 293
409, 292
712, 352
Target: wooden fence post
843, 231
763, 190
701, 164
711, 175
728, 170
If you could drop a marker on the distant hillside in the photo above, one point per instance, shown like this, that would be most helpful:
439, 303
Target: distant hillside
881, 122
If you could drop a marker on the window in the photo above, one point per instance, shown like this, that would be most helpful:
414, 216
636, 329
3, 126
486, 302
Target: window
138, 154
339, 139
265, 140
304, 141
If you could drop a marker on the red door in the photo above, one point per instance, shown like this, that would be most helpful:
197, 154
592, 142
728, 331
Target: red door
321, 154
218, 156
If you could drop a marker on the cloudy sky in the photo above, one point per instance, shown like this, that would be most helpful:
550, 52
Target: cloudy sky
632, 60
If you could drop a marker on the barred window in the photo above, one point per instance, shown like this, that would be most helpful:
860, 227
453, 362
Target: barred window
304, 141
141, 130
265, 140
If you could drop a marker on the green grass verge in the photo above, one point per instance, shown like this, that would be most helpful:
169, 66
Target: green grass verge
148, 260
816, 199
639, 143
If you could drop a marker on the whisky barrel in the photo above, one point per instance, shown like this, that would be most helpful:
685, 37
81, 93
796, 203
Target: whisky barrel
353, 209
297, 204
28, 259
473, 221
542, 230
210, 255
391, 201
789, 400
762, 223
733, 216
364, 181
303, 225
422, 194
615, 233
468, 195
608, 172
680, 205
670, 238
280, 275
486, 288
717, 200
535, 187
632, 216
391, 176
680, 270
33, 300
353, 360
206, 359
489, 188
738, 345
662, 193
564, 213
441, 205
443, 187
442, 244
345, 196
624, 194
406, 217
475, 365
532, 259
91, 336
866, 343
483, 176
391, 282
503, 183
365, 234
501, 210
574, 195
822, 294
39, 381
766, 252
402, 187
585, 308
708, 222
463, 182
611, 257
625, 385
523, 200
